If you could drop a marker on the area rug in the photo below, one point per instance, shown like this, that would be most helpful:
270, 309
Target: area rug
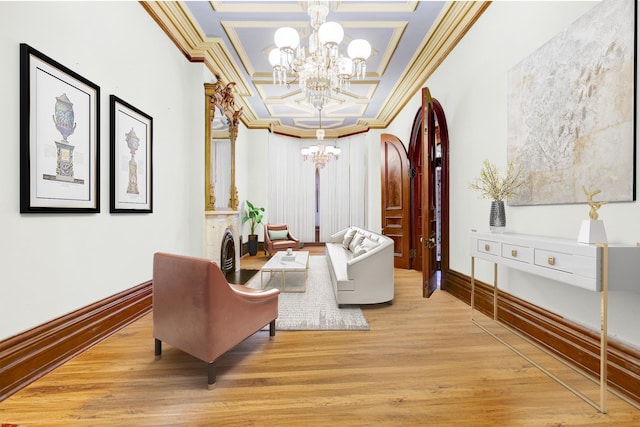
313, 310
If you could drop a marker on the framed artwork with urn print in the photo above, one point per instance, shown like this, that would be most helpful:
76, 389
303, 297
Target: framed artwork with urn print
59, 137
131, 165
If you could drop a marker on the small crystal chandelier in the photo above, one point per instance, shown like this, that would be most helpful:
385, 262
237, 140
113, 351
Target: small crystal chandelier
320, 68
320, 154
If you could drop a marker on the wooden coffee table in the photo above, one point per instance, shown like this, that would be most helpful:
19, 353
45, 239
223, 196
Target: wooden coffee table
281, 263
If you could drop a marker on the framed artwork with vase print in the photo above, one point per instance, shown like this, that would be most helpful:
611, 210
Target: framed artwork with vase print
130, 158
59, 137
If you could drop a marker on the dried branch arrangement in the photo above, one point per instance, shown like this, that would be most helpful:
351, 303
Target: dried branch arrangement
492, 185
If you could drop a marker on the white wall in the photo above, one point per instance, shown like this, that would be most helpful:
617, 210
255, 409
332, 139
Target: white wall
374, 196
471, 85
52, 264
252, 174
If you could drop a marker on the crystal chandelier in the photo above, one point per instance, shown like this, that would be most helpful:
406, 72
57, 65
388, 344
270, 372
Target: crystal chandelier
320, 154
320, 68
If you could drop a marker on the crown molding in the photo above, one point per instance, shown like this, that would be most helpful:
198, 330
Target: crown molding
452, 24
454, 21
294, 132
179, 25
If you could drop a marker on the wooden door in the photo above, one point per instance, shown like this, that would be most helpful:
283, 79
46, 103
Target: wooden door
429, 163
395, 186
415, 164
442, 141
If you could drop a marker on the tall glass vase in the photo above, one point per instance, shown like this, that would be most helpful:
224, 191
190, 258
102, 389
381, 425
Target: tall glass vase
497, 217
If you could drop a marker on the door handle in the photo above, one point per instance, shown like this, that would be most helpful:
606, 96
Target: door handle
431, 242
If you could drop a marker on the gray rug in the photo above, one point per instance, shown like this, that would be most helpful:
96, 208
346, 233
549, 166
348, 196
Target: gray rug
313, 310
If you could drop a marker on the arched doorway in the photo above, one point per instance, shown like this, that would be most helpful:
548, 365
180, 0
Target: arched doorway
395, 186
405, 194
438, 179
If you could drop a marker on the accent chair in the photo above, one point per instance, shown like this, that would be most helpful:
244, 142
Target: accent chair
278, 237
197, 311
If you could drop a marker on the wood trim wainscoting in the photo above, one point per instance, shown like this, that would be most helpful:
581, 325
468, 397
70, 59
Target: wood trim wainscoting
28, 356
423, 362
569, 341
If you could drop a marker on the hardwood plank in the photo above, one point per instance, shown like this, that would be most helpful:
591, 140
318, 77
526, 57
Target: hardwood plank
422, 363
28, 356
567, 340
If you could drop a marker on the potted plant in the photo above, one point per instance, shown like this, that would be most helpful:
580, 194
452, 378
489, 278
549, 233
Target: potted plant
254, 215
492, 185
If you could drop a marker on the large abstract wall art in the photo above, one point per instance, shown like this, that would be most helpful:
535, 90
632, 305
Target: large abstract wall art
571, 110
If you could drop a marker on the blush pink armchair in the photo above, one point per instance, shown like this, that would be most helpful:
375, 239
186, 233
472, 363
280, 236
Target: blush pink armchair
197, 311
278, 237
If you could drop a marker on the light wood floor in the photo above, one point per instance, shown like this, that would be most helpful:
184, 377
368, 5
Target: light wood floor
422, 363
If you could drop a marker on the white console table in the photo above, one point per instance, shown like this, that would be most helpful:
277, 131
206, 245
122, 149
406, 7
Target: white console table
595, 267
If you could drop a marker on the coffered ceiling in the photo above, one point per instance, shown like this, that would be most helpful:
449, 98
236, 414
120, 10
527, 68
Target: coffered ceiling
233, 38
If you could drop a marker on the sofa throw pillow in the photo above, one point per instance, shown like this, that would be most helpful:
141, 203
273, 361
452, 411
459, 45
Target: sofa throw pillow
364, 247
347, 237
360, 250
278, 234
368, 244
355, 242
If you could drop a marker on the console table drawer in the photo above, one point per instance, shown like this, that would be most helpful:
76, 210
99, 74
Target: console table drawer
517, 253
489, 247
563, 260
569, 263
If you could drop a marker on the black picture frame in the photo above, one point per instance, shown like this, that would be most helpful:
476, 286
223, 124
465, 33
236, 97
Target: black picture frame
131, 160
59, 137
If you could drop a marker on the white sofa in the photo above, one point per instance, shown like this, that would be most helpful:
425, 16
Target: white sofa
361, 266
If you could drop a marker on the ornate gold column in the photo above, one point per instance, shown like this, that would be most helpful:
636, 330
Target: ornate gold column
220, 96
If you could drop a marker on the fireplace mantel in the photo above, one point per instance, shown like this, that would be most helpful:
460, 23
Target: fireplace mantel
216, 223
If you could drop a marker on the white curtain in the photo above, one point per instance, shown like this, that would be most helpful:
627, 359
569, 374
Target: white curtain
343, 186
292, 188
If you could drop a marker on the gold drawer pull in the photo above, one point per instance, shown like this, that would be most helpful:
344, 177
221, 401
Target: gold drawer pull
486, 247
514, 253
551, 260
